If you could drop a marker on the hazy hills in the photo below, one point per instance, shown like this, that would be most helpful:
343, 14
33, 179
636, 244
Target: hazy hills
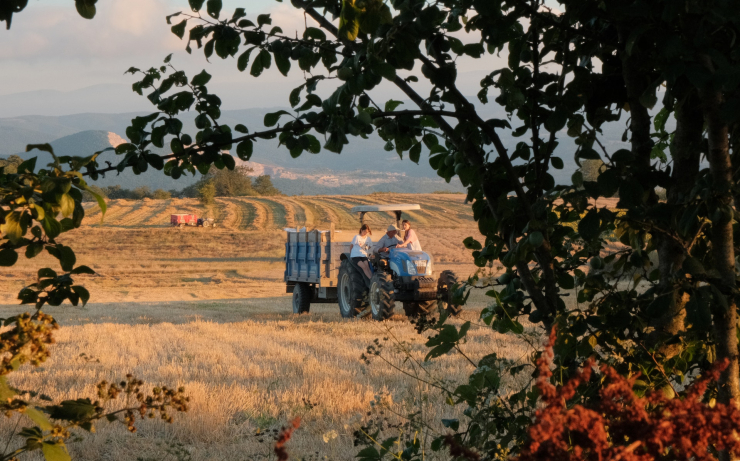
291, 180
363, 167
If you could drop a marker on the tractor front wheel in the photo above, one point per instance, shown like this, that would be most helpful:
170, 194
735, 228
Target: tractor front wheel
352, 291
445, 292
382, 298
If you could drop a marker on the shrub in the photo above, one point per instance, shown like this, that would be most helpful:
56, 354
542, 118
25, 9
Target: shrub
263, 186
207, 193
160, 194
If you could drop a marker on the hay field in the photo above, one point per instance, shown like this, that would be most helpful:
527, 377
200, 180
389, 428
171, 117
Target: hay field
248, 365
139, 257
206, 309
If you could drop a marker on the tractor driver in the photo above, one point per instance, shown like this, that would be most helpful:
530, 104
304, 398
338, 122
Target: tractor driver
386, 241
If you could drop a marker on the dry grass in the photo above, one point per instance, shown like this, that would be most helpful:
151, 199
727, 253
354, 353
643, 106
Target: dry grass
247, 365
206, 309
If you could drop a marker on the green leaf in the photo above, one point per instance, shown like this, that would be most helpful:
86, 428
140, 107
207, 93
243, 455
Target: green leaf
314, 33
349, 23
8, 257
589, 226
262, 62
86, 8
244, 149
27, 166
67, 203
228, 161
67, 258
201, 79
179, 28
51, 226
42, 147
39, 418
12, 227
243, 60
415, 153
391, 105
556, 121
55, 452
566, 281
83, 270
33, 250
214, 8
272, 118
263, 19
82, 293
282, 63
536, 239
196, 5
557, 163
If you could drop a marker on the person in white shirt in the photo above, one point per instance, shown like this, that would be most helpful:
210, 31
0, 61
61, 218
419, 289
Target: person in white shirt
361, 245
389, 239
410, 240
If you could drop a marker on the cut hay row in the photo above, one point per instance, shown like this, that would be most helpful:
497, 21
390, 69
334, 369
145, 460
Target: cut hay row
305, 215
344, 219
230, 213
276, 214
291, 218
263, 213
117, 211
159, 214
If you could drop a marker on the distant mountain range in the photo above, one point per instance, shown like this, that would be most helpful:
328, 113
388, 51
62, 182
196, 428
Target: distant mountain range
363, 167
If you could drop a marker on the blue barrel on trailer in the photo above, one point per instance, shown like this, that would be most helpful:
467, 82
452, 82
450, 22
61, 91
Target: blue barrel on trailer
312, 262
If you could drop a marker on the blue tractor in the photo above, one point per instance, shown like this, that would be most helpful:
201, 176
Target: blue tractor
401, 275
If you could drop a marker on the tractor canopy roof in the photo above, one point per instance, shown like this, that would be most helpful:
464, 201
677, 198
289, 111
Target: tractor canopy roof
399, 207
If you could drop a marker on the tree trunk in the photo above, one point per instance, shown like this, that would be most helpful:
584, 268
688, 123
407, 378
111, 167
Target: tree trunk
723, 252
685, 151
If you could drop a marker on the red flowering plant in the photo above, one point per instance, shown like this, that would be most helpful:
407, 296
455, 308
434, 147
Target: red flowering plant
625, 426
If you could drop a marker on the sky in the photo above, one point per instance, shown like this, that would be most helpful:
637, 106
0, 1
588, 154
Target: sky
50, 47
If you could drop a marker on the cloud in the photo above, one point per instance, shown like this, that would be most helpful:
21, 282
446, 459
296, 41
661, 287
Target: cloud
121, 28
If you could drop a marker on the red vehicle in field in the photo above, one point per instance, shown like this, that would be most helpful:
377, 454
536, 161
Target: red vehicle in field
182, 220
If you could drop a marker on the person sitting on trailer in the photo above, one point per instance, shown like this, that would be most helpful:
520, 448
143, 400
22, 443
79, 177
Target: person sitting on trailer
386, 241
361, 243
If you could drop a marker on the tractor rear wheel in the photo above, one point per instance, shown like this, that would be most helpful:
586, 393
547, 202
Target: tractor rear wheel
382, 298
352, 291
415, 309
302, 295
206, 224
445, 291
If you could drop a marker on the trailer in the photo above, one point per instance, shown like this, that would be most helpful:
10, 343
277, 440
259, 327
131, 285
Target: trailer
182, 220
312, 260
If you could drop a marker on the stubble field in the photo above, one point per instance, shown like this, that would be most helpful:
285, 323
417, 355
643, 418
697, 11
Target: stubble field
206, 309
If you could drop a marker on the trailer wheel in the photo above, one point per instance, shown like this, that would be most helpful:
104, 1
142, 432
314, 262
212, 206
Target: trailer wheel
445, 284
382, 297
302, 295
181, 225
352, 291
419, 309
